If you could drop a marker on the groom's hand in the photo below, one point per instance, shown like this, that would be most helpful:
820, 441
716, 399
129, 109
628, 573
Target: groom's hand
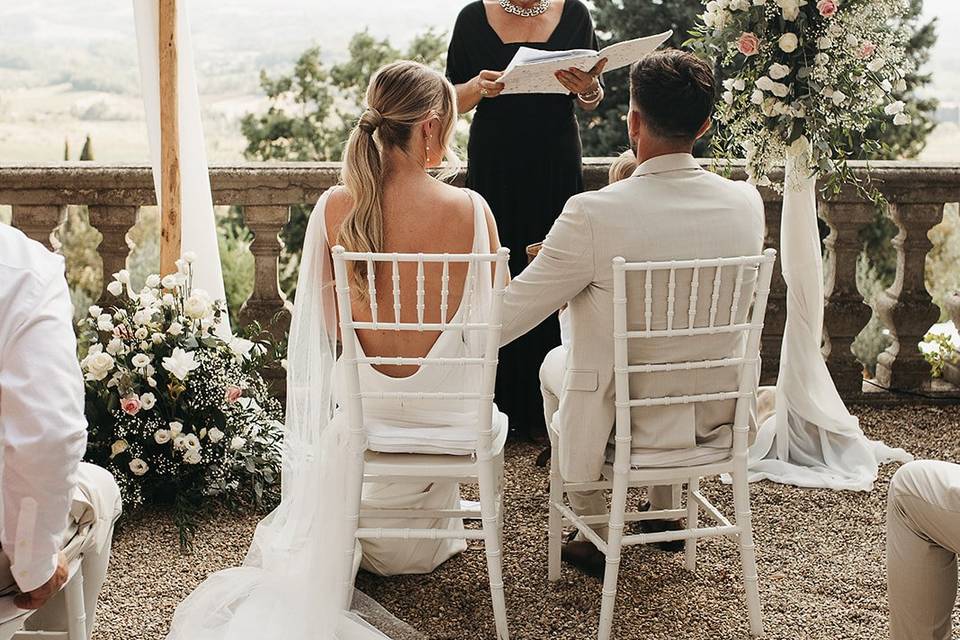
39, 596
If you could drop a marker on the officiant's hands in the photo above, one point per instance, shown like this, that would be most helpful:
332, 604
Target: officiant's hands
579, 82
488, 85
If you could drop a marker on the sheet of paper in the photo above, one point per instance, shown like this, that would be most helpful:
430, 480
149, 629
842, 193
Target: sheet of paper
531, 70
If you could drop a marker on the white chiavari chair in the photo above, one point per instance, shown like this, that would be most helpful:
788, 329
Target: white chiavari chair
485, 466
746, 315
13, 619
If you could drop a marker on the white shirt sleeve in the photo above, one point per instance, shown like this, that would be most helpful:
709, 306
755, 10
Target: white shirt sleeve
43, 428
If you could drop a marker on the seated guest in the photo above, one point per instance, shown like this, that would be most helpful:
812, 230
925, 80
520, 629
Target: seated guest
669, 209
55, 509
923, 540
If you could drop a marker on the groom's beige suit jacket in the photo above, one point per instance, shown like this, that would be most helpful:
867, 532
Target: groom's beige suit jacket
669, 209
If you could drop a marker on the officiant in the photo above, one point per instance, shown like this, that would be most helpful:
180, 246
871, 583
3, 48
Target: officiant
524, 152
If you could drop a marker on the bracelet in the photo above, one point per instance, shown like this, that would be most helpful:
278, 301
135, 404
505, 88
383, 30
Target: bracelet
591, 97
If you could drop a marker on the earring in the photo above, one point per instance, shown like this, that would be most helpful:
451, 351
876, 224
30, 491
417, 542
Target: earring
428, 153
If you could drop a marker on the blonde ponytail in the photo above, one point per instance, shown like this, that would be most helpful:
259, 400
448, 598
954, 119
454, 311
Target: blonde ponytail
400, 96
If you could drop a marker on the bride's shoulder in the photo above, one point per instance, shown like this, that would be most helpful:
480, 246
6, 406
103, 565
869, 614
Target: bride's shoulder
336, 205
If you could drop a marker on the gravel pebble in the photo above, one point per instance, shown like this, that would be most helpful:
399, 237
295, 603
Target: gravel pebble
821, 563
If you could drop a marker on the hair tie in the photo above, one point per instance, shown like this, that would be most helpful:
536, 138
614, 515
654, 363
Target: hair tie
370, 121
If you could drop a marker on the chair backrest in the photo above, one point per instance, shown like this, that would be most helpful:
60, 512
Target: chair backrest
725, 299
488, 326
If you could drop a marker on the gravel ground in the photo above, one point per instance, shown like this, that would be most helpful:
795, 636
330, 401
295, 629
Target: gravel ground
821, 562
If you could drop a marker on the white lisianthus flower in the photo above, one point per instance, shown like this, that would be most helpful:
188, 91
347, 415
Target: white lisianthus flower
148, 401
189, 257
739, 84
179, 443
728, 84
215, 435
161, 436
901, 119
780, 90
900, 85
138, 467
176, 428
144, 345
122, 276
143, 316
180, 363
238, 442
756, 98
788, 42
728, 97
198, 305
153, 281
779, 71
790, 8
191, 441
175, 329
140, 361
115, 288
192, 456
240, 346
95, 311
115, 346
894, 108
886, 85
838, 97
826, 42
141, 333
168, 300
117, 448
876, 64
764, 83
98, 365
169, 281
105, 322
157, 338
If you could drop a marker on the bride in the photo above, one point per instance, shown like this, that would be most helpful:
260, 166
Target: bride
290, 584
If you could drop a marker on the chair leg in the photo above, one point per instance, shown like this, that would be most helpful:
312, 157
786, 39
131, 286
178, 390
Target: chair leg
492, 543
618, 506
76, 612
555, 526
748, 556
693, 515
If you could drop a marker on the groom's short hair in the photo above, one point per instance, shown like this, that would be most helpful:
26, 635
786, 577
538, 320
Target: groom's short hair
674, 91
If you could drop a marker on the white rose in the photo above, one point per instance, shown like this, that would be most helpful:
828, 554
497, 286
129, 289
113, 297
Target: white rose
788, 42
175, 329
105, 323
98, 365
179, 443
140, 361
779, 71
826, 42
115, 288
192, 456
161, 436
176, 428
215, 435
115, 346
169, 281
148, 401
157, 338
197, 306
180, 363
153, 281
95, 311
728, 84
894, 108
138, 467
191, 441
739, 84
876, 64
141, 333
838, 97
764, 83
143, 316
780, 90
240, 346
901, 119
728, 97
122, 276
169, 300
238, 442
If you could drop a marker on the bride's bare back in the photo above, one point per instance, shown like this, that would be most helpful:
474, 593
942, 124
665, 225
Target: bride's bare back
420, 215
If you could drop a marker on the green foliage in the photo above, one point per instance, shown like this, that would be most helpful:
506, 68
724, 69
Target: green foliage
604, 131
941, 353
942, 272
312, 110
86, 154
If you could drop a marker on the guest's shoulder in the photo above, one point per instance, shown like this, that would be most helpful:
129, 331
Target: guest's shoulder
18, 253
471, 11
577, 8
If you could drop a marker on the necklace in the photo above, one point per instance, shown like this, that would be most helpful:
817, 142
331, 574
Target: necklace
536, 10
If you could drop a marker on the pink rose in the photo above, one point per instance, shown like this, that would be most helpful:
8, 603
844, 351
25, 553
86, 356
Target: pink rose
130, 405
867, 49
748, 44
232, 394
827, 8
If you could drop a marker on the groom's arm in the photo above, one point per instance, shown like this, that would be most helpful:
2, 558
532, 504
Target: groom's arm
563, 268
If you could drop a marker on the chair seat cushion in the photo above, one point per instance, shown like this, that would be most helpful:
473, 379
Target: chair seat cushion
455, 440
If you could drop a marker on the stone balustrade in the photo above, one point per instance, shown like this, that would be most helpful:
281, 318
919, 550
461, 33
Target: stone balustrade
916, 194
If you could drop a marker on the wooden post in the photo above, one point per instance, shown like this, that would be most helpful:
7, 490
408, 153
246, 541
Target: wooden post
170, 202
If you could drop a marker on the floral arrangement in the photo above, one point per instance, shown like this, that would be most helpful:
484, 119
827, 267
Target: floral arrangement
821, 70
177, 412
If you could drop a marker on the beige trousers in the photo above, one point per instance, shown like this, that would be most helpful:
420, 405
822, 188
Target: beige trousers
584, 503
923, 539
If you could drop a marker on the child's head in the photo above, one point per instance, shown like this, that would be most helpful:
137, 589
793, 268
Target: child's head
623, 166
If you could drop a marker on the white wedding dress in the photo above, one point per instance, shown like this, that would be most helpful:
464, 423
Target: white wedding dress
290, 585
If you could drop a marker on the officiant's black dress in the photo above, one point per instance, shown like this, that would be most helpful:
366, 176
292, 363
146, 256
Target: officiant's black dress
525, 158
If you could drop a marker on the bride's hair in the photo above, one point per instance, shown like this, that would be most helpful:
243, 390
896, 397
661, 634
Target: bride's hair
400, 96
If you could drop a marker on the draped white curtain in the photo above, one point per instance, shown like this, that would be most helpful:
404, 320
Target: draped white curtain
199, 229
811, 440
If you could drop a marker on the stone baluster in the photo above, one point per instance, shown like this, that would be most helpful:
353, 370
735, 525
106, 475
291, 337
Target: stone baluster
113, 223
38, 221
906, 307
266, 304
776, 317
845, 313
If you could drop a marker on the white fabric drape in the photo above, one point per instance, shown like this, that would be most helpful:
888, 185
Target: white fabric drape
199, 229
811, 440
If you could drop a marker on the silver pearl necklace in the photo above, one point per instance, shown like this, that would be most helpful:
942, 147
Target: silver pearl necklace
536, 10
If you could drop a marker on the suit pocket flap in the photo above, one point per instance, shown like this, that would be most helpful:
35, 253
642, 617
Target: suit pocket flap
581, 380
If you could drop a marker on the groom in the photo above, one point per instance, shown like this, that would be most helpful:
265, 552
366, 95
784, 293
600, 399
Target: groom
669, 209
